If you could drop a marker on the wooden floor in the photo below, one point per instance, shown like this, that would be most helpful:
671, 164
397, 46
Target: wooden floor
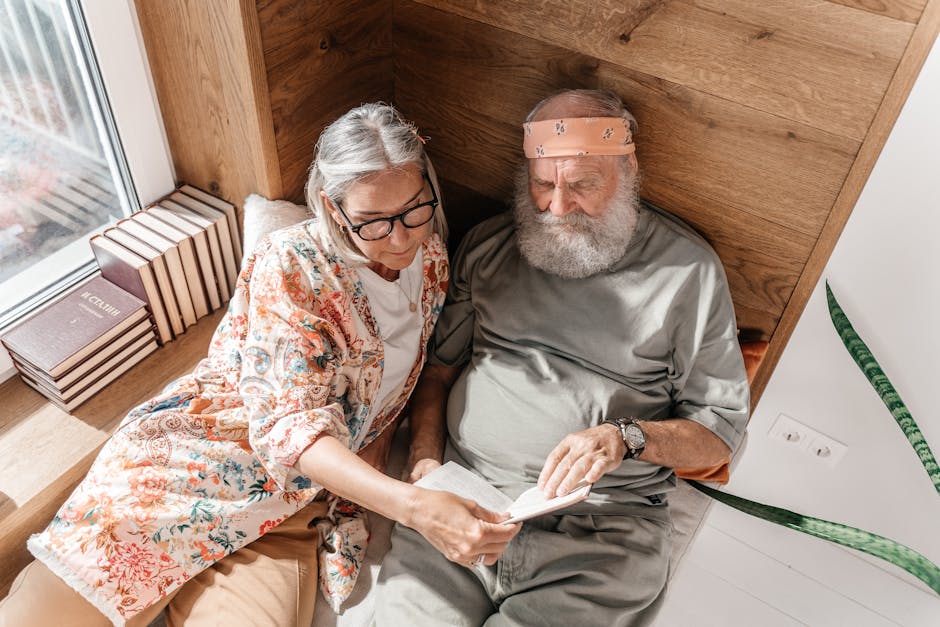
44, 452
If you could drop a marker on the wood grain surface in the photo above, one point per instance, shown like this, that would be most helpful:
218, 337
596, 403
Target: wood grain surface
907, 10
323, 58
895, 96
209, 75
759, 122
757, 186
819, 63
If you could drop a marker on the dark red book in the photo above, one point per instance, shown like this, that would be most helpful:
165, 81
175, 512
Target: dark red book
75, 326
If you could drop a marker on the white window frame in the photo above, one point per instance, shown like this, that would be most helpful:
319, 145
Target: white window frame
115, 35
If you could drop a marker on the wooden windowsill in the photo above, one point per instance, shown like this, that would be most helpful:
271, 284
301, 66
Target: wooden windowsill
45, 452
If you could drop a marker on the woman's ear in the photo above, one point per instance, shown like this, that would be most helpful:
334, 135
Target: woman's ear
334, 213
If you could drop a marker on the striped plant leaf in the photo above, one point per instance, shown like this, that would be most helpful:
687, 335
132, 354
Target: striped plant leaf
884, 548
889, 396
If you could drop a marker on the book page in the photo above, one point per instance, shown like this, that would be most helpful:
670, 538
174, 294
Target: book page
532, 503
454, 478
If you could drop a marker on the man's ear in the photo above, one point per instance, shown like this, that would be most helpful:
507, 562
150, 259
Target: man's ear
334, 212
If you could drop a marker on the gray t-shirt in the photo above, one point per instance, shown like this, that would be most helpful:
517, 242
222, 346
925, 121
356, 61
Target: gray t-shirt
654, 337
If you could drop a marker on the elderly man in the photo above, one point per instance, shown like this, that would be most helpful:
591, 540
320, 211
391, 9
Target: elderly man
586, 336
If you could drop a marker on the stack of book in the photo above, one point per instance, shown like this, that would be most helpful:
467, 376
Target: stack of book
181, 256
80, 343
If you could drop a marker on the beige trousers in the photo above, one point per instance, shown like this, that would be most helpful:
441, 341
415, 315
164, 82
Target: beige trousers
272, 581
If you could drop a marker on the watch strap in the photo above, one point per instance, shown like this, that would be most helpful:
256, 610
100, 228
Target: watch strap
621, 424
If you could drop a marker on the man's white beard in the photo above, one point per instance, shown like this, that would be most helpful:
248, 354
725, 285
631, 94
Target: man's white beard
575, 245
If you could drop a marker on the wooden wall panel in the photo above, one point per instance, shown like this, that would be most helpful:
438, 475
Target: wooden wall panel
759, 122
209, 76
920, 44
757, 186
323, 58
819, 63
906, 10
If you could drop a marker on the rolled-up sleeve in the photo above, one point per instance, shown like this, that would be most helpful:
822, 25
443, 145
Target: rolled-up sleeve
289, 358
714, 390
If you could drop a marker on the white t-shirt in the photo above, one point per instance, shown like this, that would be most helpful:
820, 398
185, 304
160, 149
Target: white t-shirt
399, 327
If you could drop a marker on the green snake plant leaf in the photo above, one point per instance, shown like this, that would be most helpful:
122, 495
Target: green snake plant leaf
893, 552
889, 396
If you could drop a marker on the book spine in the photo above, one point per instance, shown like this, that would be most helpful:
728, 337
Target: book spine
82, 371
169, 251
120, 234
137, 280
164, 211
221, 224
190, 269
227, 208
194, 219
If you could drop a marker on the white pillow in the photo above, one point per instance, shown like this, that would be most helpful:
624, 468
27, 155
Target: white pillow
263, 216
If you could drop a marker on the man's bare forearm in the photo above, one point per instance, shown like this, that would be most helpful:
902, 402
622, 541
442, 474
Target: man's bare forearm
682, 443
428, 407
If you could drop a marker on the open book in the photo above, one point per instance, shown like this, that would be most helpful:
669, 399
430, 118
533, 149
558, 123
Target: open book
452, 477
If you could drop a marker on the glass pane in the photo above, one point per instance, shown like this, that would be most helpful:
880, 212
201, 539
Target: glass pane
56, 174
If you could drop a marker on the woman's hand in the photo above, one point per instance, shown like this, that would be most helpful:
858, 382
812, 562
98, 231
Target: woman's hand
586, 455
459, 528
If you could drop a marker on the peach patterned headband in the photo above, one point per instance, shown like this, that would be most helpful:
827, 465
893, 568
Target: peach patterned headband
576, 137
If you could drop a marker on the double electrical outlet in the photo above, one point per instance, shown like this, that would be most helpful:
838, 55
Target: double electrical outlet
808, 441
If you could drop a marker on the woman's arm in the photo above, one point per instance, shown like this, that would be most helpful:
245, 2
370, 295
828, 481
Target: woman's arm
377, 451
459, 528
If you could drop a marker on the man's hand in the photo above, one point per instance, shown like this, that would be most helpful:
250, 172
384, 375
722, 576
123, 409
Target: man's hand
460, 529
586, 455
418, 469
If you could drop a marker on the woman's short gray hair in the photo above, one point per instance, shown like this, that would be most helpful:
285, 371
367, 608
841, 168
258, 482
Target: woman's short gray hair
369, 139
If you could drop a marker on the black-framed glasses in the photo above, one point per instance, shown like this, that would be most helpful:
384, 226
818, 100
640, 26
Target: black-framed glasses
411, 218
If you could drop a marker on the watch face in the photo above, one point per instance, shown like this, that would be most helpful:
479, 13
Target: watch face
635, 436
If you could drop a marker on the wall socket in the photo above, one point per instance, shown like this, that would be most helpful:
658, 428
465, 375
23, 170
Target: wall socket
799, 437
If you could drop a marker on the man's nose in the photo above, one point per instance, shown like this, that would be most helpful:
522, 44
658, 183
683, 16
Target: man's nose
561, 202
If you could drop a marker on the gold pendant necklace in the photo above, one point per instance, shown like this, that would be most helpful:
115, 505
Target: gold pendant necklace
412, 305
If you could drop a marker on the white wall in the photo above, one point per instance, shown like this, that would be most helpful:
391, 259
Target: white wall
885, 271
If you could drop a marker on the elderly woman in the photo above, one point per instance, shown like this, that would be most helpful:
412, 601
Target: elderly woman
208, 499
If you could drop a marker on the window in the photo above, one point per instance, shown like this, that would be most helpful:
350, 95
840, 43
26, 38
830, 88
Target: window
81, 141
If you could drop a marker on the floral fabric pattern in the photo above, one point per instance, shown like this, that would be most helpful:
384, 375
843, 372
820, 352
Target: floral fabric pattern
344, 536
207, 466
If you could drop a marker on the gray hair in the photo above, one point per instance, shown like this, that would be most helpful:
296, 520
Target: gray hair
589, 103
369, 139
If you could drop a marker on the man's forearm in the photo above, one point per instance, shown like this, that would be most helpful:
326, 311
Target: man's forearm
428, 407
682, 443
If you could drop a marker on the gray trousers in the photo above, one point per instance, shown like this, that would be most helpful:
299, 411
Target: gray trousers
559, 570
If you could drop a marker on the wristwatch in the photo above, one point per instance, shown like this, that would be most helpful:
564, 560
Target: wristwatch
633, 436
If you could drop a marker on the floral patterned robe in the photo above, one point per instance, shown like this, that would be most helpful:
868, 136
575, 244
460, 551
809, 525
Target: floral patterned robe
207, 466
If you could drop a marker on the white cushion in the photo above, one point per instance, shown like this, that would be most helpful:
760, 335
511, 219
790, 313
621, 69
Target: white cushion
263, 216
